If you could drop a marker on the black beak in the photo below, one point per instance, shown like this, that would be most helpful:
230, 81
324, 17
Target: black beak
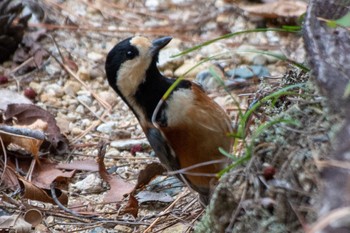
160, 43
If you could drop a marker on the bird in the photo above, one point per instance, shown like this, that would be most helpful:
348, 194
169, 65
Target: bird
189, 128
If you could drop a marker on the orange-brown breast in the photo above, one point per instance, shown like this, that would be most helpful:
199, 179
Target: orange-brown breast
197, 136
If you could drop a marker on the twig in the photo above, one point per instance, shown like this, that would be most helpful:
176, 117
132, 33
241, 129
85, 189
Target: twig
238, 208
332, 216
301, 221
195, 219
332, 163
93, 112
71, 73
186, 169
92, 126
54, 197
5, 160
244, 193
22, 132
26, 62
148, 229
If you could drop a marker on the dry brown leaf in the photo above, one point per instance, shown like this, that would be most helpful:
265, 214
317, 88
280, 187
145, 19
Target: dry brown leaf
118, 187
9, 179
147, 174
31, 191
26, 114
33, 216
31, 48
71, 64
82, 165
29, 144
16, 223
48, 173
132, 207
281, 8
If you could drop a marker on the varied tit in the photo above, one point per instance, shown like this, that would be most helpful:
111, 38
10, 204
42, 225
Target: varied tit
190, 126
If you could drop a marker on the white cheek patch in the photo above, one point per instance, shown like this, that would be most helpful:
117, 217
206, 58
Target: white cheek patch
130, 75
178, 105
133, 72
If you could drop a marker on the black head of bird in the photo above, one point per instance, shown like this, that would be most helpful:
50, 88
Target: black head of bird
190, 126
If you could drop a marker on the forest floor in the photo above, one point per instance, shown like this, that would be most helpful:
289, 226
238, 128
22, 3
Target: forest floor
66, 72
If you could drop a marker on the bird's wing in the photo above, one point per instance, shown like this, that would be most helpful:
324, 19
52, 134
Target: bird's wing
162, 148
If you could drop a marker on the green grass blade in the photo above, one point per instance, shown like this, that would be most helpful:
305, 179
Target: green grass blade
284, 91
278, 56
229, 35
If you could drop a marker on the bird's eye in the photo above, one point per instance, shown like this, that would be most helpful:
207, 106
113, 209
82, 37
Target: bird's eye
130, 54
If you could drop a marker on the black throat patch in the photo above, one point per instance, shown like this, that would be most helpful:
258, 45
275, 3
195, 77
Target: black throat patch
151, 91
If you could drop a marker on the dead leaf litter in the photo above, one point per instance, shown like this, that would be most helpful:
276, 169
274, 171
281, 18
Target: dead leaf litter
125, 190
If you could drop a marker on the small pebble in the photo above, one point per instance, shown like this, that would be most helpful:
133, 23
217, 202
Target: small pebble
54, 90
112, 152
109, 96
76, 131
38, 87
187, 66
95, 56
71, 87
85, 99
166, 61
107, 127
80, 109
128, 144
92, 183
83, 74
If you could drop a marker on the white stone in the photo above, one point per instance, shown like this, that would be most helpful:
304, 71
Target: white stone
92, 183
85, 99
95, 56
107, 127
129, 143
54, 90
80, 109
165, 57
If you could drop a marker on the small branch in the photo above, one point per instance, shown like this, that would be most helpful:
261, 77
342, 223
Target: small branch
72, 212
22, 132
164, 211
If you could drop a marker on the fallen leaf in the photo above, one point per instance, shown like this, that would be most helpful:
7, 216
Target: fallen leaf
16, 223
281, 8
132, 207
33, 216
26, 114
48, 173
33, 192
149, 173
31, 48
9, 179
118, 187
71, 64
17, 135
42, 177
81, 165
